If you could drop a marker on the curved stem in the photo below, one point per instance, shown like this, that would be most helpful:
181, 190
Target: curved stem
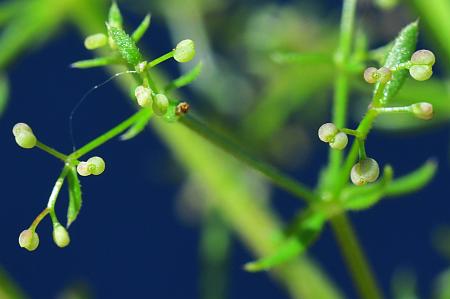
51, 151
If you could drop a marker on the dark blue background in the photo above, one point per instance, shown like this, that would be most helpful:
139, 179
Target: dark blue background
127, 242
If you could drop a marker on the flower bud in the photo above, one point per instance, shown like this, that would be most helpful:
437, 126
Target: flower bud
423, 57
339, 141
160, 104
143, 96
384, 74
26, 139
96, 165
19, 128
370, 75
420, 72
141, 66
365, 171
95, 41
423, 110
29, 240
60, 235
327, 132
83, 169
184, 51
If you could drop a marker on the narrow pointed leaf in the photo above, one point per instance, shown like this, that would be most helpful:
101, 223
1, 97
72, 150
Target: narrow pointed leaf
185, 79
401, 51
138, 126
75, 200
115, 17
4, 92
141, 29
126, 45
96, 62
307, 232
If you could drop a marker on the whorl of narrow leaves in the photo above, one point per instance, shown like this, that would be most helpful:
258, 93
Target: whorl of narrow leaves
126, 45
401, 51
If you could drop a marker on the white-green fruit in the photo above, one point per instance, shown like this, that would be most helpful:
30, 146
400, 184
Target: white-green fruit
365, 171
184, 51
96, 165
29, 240
421, 72
339, 141
384, 74
26, 139
160, 104
95, 41
83, 169
21, 127
370, 75
327, 132
60, 236
423, 110
143, 96
423, 57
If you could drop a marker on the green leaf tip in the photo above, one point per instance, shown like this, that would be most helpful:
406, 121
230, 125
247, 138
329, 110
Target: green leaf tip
141, 29
401, 51
125, 45
115, 17
185, 79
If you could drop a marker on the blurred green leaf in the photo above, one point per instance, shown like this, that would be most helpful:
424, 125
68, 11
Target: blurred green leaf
404, 285
75, 199
401, 51
9, 9
442, 286
96, 62
306, 233
4, 92
126, 45
115, 17
141, 29
186, 78
8, 289
302, 58
138, 127
441, 241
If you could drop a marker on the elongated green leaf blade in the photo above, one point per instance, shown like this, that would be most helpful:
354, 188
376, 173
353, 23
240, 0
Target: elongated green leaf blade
141, 29
307, 232
403, 48
138, 127
75, 200
126, 45
96, 62
4, 93
115, 17
185, 79
414, 181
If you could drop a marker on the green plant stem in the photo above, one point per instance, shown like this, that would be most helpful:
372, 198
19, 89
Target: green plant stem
39, 218
278, 178
58, 184
51, 151
160, 59
354, 257
108, 135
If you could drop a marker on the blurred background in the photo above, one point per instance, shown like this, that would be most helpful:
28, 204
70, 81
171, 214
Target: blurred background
173, 217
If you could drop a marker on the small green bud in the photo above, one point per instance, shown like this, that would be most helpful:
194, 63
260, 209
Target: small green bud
370, 75
423, 57
384, 74
29, 240
96, 165
327, 132
95, 41
365, 171
20, 127
141, 66
423, 110
421, 72
339, 141
83, 169
143, 96
26, 139
160, 104
60, 235
184, 51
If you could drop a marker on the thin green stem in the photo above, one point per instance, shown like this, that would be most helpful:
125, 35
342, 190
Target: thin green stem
160, 59
356, 261
38, 219
355, 133
386, 110
51, 151
55, 192
278, 178
108, 135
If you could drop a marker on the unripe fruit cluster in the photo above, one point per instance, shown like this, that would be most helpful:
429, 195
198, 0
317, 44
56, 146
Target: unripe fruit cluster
184, 51
29, 240
330, 133
24, 135
422, 63
373, 75
94, 165
365, 171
